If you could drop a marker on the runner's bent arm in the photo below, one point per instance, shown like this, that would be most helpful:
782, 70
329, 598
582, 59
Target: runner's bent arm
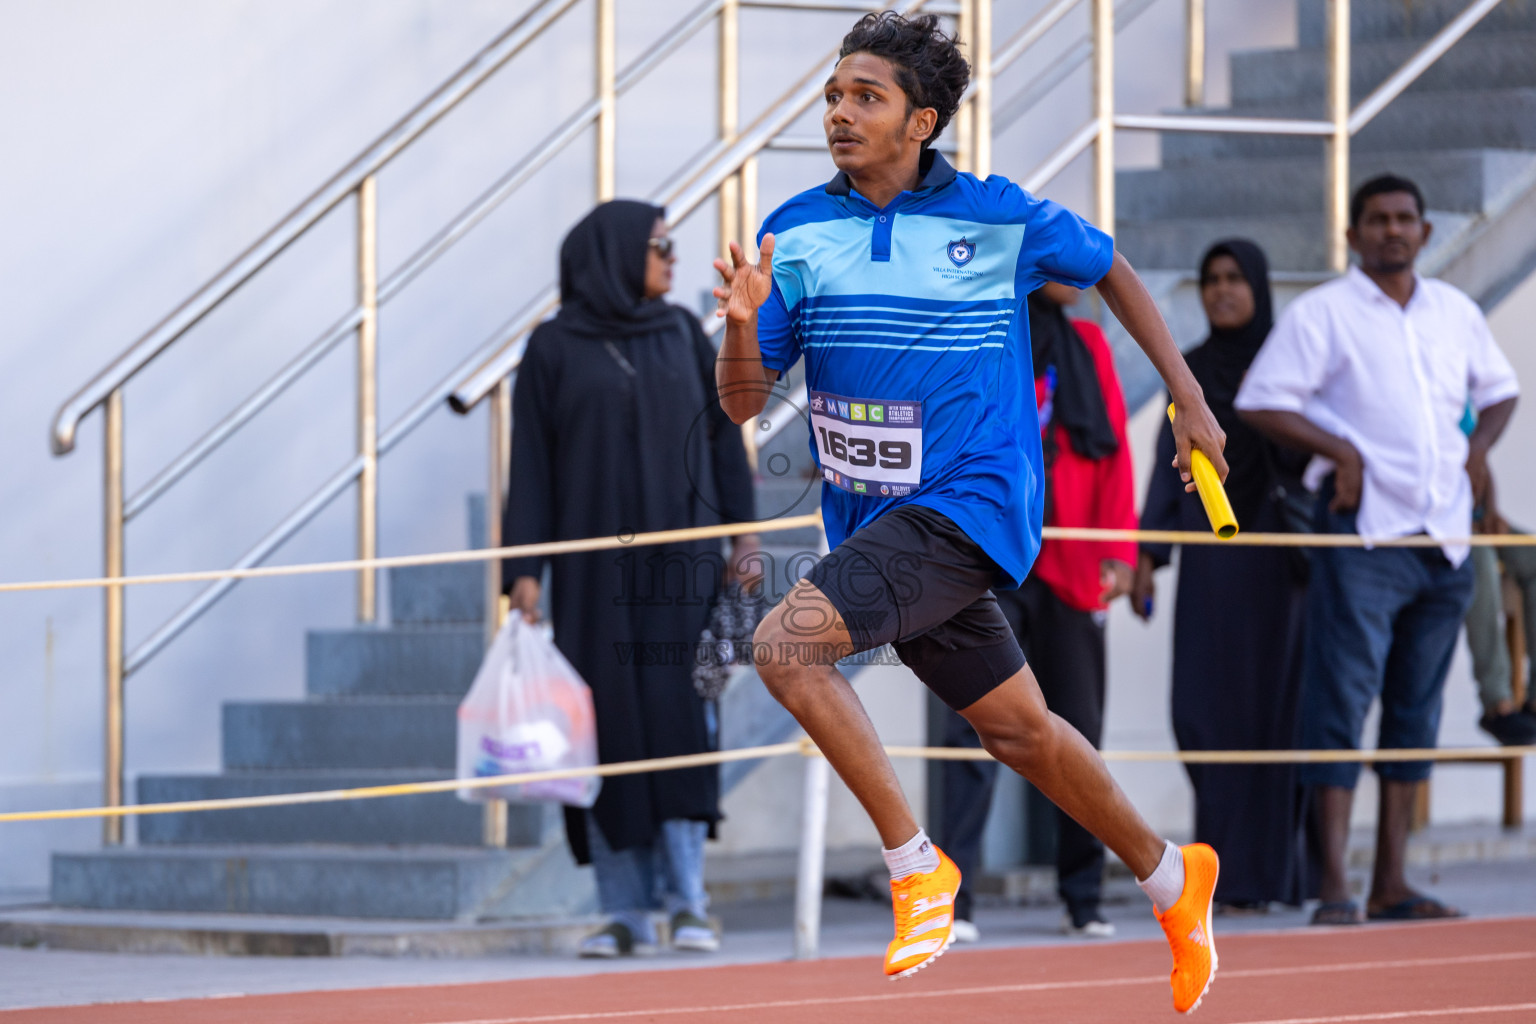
1195, 425
741, 378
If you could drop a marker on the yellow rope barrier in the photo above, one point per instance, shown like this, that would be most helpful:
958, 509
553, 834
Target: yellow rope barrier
803, 747
565, 547
558, 547
325, 796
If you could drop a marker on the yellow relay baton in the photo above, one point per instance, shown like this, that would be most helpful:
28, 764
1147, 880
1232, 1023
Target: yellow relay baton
1212, 495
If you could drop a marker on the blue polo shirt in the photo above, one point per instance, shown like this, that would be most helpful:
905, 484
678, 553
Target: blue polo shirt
910, 318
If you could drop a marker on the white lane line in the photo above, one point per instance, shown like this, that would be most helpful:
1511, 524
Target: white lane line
1041, 986
1456, 1012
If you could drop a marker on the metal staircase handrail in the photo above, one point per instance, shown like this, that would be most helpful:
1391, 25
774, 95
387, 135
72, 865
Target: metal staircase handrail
687, 189
481, 207
301, 219
507, 342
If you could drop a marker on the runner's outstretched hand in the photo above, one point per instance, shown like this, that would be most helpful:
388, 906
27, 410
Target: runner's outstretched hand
744, 286
1197, 428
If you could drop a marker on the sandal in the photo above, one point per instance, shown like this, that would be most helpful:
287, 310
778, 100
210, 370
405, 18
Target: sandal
1415, 908
1339, 912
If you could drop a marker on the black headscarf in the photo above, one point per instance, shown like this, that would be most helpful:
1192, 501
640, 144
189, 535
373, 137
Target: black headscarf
1219, 364
602, 272
1078, 402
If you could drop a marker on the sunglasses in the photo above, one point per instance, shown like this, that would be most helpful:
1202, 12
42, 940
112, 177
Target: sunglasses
663, 246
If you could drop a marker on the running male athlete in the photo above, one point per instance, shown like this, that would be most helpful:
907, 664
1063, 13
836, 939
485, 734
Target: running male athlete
900, 282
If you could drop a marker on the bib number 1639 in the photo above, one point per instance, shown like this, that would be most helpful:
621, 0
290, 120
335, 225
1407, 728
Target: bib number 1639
868, 446
865, 452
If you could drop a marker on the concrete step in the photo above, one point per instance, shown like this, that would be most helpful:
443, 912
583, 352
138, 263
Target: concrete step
437, 594
1463, 181
401, 884
1374, 20
1450, 119
1478, 61
400, 733
1293, 241
151, 932
437, 818
400, 660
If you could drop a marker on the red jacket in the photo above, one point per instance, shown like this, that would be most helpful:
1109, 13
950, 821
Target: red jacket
1088, 492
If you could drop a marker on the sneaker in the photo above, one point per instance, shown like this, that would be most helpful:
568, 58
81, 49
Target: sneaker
1188, 926
1515, 729
1090, 925
692, 933
965, 931
924, 905
612, 941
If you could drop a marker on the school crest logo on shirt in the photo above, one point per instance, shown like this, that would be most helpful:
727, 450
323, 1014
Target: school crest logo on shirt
960, 253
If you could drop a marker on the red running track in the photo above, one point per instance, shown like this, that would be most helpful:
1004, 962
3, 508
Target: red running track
1439, 973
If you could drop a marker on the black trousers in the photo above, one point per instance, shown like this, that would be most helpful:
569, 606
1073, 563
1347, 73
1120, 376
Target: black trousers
1065, 647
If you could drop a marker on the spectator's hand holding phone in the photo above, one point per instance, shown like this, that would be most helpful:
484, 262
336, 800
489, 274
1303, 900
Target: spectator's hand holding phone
1143, 589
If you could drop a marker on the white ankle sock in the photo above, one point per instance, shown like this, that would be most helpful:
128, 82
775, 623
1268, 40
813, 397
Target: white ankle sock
915, 856
1165, 884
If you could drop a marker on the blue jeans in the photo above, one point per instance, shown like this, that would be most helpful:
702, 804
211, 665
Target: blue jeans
1380, 624
668, 875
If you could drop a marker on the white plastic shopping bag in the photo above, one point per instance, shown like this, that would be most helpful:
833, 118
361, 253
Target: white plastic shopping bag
528, 711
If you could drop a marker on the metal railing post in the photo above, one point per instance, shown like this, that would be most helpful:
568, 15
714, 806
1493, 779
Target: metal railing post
965, 117
810, 875
499, 470
749, 226
607, 98
1103, 15
499, 465
1194, 53
728, 65
1338, 142
112, 497
368, 396
981, 78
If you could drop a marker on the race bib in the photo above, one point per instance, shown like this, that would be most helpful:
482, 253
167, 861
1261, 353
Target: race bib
868, 446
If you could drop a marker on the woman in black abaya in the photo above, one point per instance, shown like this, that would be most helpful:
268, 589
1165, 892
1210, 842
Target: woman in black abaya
616, 430
1238, 614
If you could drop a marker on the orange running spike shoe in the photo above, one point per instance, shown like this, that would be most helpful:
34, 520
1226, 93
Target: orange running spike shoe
924, 904
1188, 926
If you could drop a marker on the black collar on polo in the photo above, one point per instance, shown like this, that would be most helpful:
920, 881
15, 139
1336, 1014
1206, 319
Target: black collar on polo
935, 170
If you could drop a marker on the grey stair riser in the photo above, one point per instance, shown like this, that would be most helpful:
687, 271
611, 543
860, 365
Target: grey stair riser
251, 882
1463, 181
1372, 20
437, 594
434, 818
1292, 241
417, 733
1492, 119
1476, 62
439, 661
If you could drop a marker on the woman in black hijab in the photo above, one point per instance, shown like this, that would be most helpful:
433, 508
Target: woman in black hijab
1238, 615
616, 430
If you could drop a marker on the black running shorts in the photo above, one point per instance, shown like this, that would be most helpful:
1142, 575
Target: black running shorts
916, 581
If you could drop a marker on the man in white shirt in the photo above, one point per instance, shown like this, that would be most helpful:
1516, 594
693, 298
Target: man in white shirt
1371, 373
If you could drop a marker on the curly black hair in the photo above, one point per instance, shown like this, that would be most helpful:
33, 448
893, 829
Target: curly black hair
928, 64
